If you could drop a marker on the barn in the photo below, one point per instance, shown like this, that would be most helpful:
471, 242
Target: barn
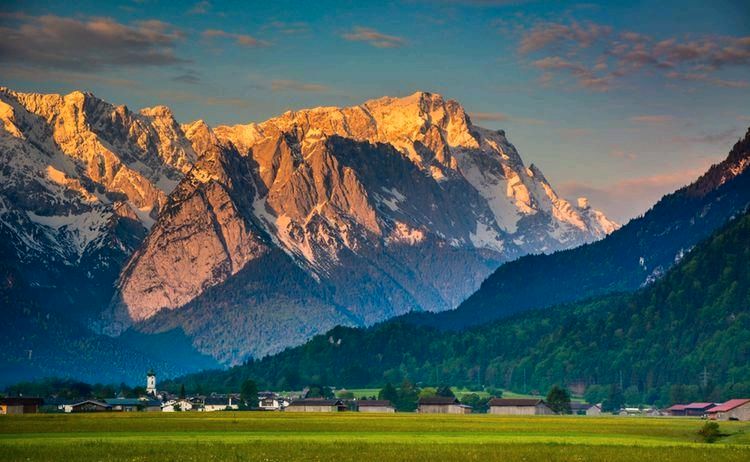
375, 405
698, 409
734, 409
442, 405
519, 406
89, 405
316, 405
20, 405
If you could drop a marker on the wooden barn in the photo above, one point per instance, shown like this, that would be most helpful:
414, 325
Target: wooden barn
89, 405
20, 405
316, 405
442, 405
519, 406
372, 405
585, 409
734, 409
698, 409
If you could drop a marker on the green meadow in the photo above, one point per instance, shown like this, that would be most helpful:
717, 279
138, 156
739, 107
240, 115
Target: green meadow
258, 436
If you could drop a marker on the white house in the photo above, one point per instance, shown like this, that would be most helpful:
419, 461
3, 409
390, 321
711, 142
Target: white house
173, 405
212, 404
269, 401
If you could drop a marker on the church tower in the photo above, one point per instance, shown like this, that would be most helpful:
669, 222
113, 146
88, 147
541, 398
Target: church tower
151, 383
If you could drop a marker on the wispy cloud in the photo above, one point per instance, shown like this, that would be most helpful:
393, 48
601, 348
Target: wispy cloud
651, 119
374, 38
91, 43
724, 137
501, 117
240, 39
293, 85
546, 34
598, 58
289, 28
630, 197
75, 79
202, 7
188, 76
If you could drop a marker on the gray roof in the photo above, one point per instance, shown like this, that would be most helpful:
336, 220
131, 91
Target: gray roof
513, 402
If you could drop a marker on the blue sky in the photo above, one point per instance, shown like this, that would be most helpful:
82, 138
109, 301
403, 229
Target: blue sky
618, 101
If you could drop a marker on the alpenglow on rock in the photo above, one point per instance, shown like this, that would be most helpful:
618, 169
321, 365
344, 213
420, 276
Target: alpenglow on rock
259, 236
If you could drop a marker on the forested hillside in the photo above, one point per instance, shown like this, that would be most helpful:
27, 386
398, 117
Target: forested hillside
695, 319
637, 253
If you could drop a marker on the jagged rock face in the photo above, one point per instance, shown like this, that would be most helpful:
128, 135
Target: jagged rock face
82, 181
392, 206
254, 237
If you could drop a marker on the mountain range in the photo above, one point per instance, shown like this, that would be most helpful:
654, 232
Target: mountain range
248, 239
691, 319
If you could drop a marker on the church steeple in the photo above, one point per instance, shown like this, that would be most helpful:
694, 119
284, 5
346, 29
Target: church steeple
151, 382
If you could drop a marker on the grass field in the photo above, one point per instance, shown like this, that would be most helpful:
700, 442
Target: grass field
256, 436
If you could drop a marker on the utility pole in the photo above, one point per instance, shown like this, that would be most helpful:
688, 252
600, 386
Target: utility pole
704, 377
524, 380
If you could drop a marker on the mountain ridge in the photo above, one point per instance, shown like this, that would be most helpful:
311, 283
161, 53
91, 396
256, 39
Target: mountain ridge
360, 201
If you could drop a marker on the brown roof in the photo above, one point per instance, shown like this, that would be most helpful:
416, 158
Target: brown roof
515, 402
374, 402
438, 400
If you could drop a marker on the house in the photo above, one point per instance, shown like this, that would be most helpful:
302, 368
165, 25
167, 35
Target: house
180, 404
519, 406
215, 403
442, 405
676, 410
585, 409
373, 405
698, 409
734, 409
134, 405
316, 405
270, 401
89, 405
20, 405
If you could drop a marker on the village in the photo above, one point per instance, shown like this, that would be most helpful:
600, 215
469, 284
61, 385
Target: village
162, 401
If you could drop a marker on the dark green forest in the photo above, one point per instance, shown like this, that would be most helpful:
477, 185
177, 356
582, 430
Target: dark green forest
684, 337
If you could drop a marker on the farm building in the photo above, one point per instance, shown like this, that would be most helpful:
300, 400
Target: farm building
698, 409
219, 404
734, 409
20, 405
442, 405
89, 405
585, 409
371, 405
676, 410
519, 406
316, 405
133, 404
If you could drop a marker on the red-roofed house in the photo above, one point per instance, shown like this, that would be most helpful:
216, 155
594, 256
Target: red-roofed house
734, 409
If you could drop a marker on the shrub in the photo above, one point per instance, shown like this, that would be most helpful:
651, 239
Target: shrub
710, 432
